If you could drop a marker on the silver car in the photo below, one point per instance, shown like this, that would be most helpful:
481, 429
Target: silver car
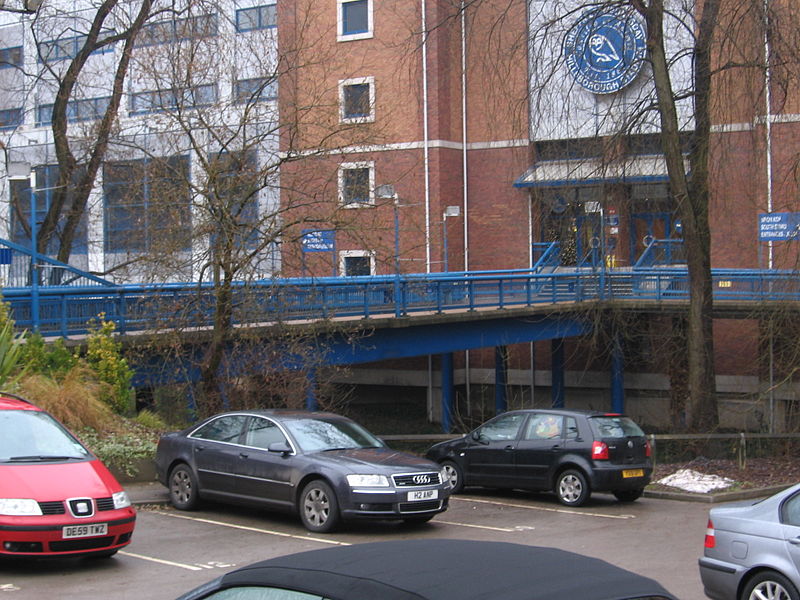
752, 552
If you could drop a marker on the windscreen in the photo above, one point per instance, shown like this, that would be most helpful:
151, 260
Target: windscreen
28, 435
615, 426
316, 435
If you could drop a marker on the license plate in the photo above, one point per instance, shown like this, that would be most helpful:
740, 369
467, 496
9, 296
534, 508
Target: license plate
423, 495
632, 473
79, 531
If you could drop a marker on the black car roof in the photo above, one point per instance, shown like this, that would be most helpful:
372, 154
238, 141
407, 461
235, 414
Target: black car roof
570, 412
447, 569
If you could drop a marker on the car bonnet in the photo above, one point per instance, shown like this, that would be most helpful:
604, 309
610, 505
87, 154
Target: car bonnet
45, 482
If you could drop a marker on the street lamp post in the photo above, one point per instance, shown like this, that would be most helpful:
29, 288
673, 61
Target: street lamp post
387, 192
450, 211
21, 171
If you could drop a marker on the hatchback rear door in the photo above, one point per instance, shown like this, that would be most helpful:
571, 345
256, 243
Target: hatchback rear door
627, 444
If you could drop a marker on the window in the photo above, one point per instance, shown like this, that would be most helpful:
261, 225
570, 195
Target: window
77, 110
257, 17
260, 89
164, 100
356, 263
67, 48
10, 118
147, 205
46, 184
502, 428
261, 433
790, 511
10, 57
544, 427
354, 19
357, 100
356, 184
225, 429
173, 30
233, 184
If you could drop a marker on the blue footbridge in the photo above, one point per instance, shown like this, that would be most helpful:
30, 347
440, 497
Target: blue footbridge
366, 319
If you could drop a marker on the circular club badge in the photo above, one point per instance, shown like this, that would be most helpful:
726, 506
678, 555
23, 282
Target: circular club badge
605, 50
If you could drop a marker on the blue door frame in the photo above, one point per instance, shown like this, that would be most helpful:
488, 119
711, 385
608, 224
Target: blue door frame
651, 221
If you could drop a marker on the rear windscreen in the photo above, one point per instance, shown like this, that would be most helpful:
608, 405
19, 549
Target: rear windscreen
615, 427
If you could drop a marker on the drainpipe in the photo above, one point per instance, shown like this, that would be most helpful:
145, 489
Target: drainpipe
464, 172
425, 135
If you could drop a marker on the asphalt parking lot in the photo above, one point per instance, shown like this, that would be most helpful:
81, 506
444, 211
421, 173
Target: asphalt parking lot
174, 551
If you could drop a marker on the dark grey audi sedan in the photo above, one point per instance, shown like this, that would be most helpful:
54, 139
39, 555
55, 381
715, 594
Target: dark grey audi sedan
570, 452
323, 466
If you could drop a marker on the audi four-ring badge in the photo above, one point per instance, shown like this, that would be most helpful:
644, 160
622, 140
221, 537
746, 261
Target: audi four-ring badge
321, 466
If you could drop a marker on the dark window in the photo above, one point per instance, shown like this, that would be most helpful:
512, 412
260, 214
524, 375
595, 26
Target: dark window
790, 511
233, 184
615, 427
572, 429
356, 101
46, 184
259, 89
355, 186
165, 100
68, 48
10, 117
10, 57
355, 17
257, 17
147, 205
77, 110
504, 427
544, 427
357, 266
224, 429
173, 30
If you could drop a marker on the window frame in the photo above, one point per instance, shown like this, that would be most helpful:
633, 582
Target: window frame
75, 42
15, 52
178, 30
17, 118
359, 118
341, 36
345, 254
99, 105
261, 11
352, 166
179, 97
268, 83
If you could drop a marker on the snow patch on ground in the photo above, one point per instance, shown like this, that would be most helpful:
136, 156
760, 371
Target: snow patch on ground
692, 481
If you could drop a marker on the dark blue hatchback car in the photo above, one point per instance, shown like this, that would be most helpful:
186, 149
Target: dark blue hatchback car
572, 453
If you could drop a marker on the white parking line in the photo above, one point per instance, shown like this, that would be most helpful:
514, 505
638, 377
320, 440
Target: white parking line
542, 508
503, 529
253, 529
162, 562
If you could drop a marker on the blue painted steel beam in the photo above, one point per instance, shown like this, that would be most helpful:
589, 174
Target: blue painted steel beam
500, 379
557, 384
448, 391
617, 375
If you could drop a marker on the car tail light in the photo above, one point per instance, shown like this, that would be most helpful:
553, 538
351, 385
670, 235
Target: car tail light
710, 539
599, 450
648, 449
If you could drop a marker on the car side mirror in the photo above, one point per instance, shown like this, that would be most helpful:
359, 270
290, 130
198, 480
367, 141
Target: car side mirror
478, 437
280, 448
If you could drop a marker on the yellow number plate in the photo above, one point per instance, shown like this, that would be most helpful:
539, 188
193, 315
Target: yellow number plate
632, 473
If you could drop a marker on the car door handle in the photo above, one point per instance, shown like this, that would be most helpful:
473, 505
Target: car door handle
795, 541
199, 448
555, 447
243, 455
508, 448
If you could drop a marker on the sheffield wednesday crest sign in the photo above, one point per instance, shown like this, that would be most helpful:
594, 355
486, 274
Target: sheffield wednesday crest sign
605, 49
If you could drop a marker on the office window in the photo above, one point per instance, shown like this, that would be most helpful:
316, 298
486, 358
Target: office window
356, 184
165, 100
354, 19
10, 57
78, 110
356, 263
173, 30
234, 181
46, 185
256, 17
10, 118
67, 48
357, 100
259, 89
147, 205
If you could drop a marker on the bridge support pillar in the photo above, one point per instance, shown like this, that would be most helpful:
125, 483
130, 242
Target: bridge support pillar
500, 379
557, 370
617, 376
448, 391
311, 390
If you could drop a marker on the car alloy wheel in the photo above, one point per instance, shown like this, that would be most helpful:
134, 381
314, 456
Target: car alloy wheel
770, 586
572, 488
319, 509
453, 474
183, 488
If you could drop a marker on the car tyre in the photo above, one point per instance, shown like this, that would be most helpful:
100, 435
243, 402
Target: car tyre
455, 474
628, 495
771, 585
571, 488
183, 489
318, 507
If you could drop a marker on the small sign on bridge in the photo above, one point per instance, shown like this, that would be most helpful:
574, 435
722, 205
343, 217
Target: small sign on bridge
778, 227
319, 240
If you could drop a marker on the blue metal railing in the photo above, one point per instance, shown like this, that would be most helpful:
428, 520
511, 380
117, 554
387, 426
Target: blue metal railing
662, 252
17, 271
65, 310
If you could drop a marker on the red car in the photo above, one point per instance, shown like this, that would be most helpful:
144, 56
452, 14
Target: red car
56, 497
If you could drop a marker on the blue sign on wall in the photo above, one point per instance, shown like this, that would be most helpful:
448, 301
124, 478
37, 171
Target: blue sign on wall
778, 227
319, 240
605, 49
5, 256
